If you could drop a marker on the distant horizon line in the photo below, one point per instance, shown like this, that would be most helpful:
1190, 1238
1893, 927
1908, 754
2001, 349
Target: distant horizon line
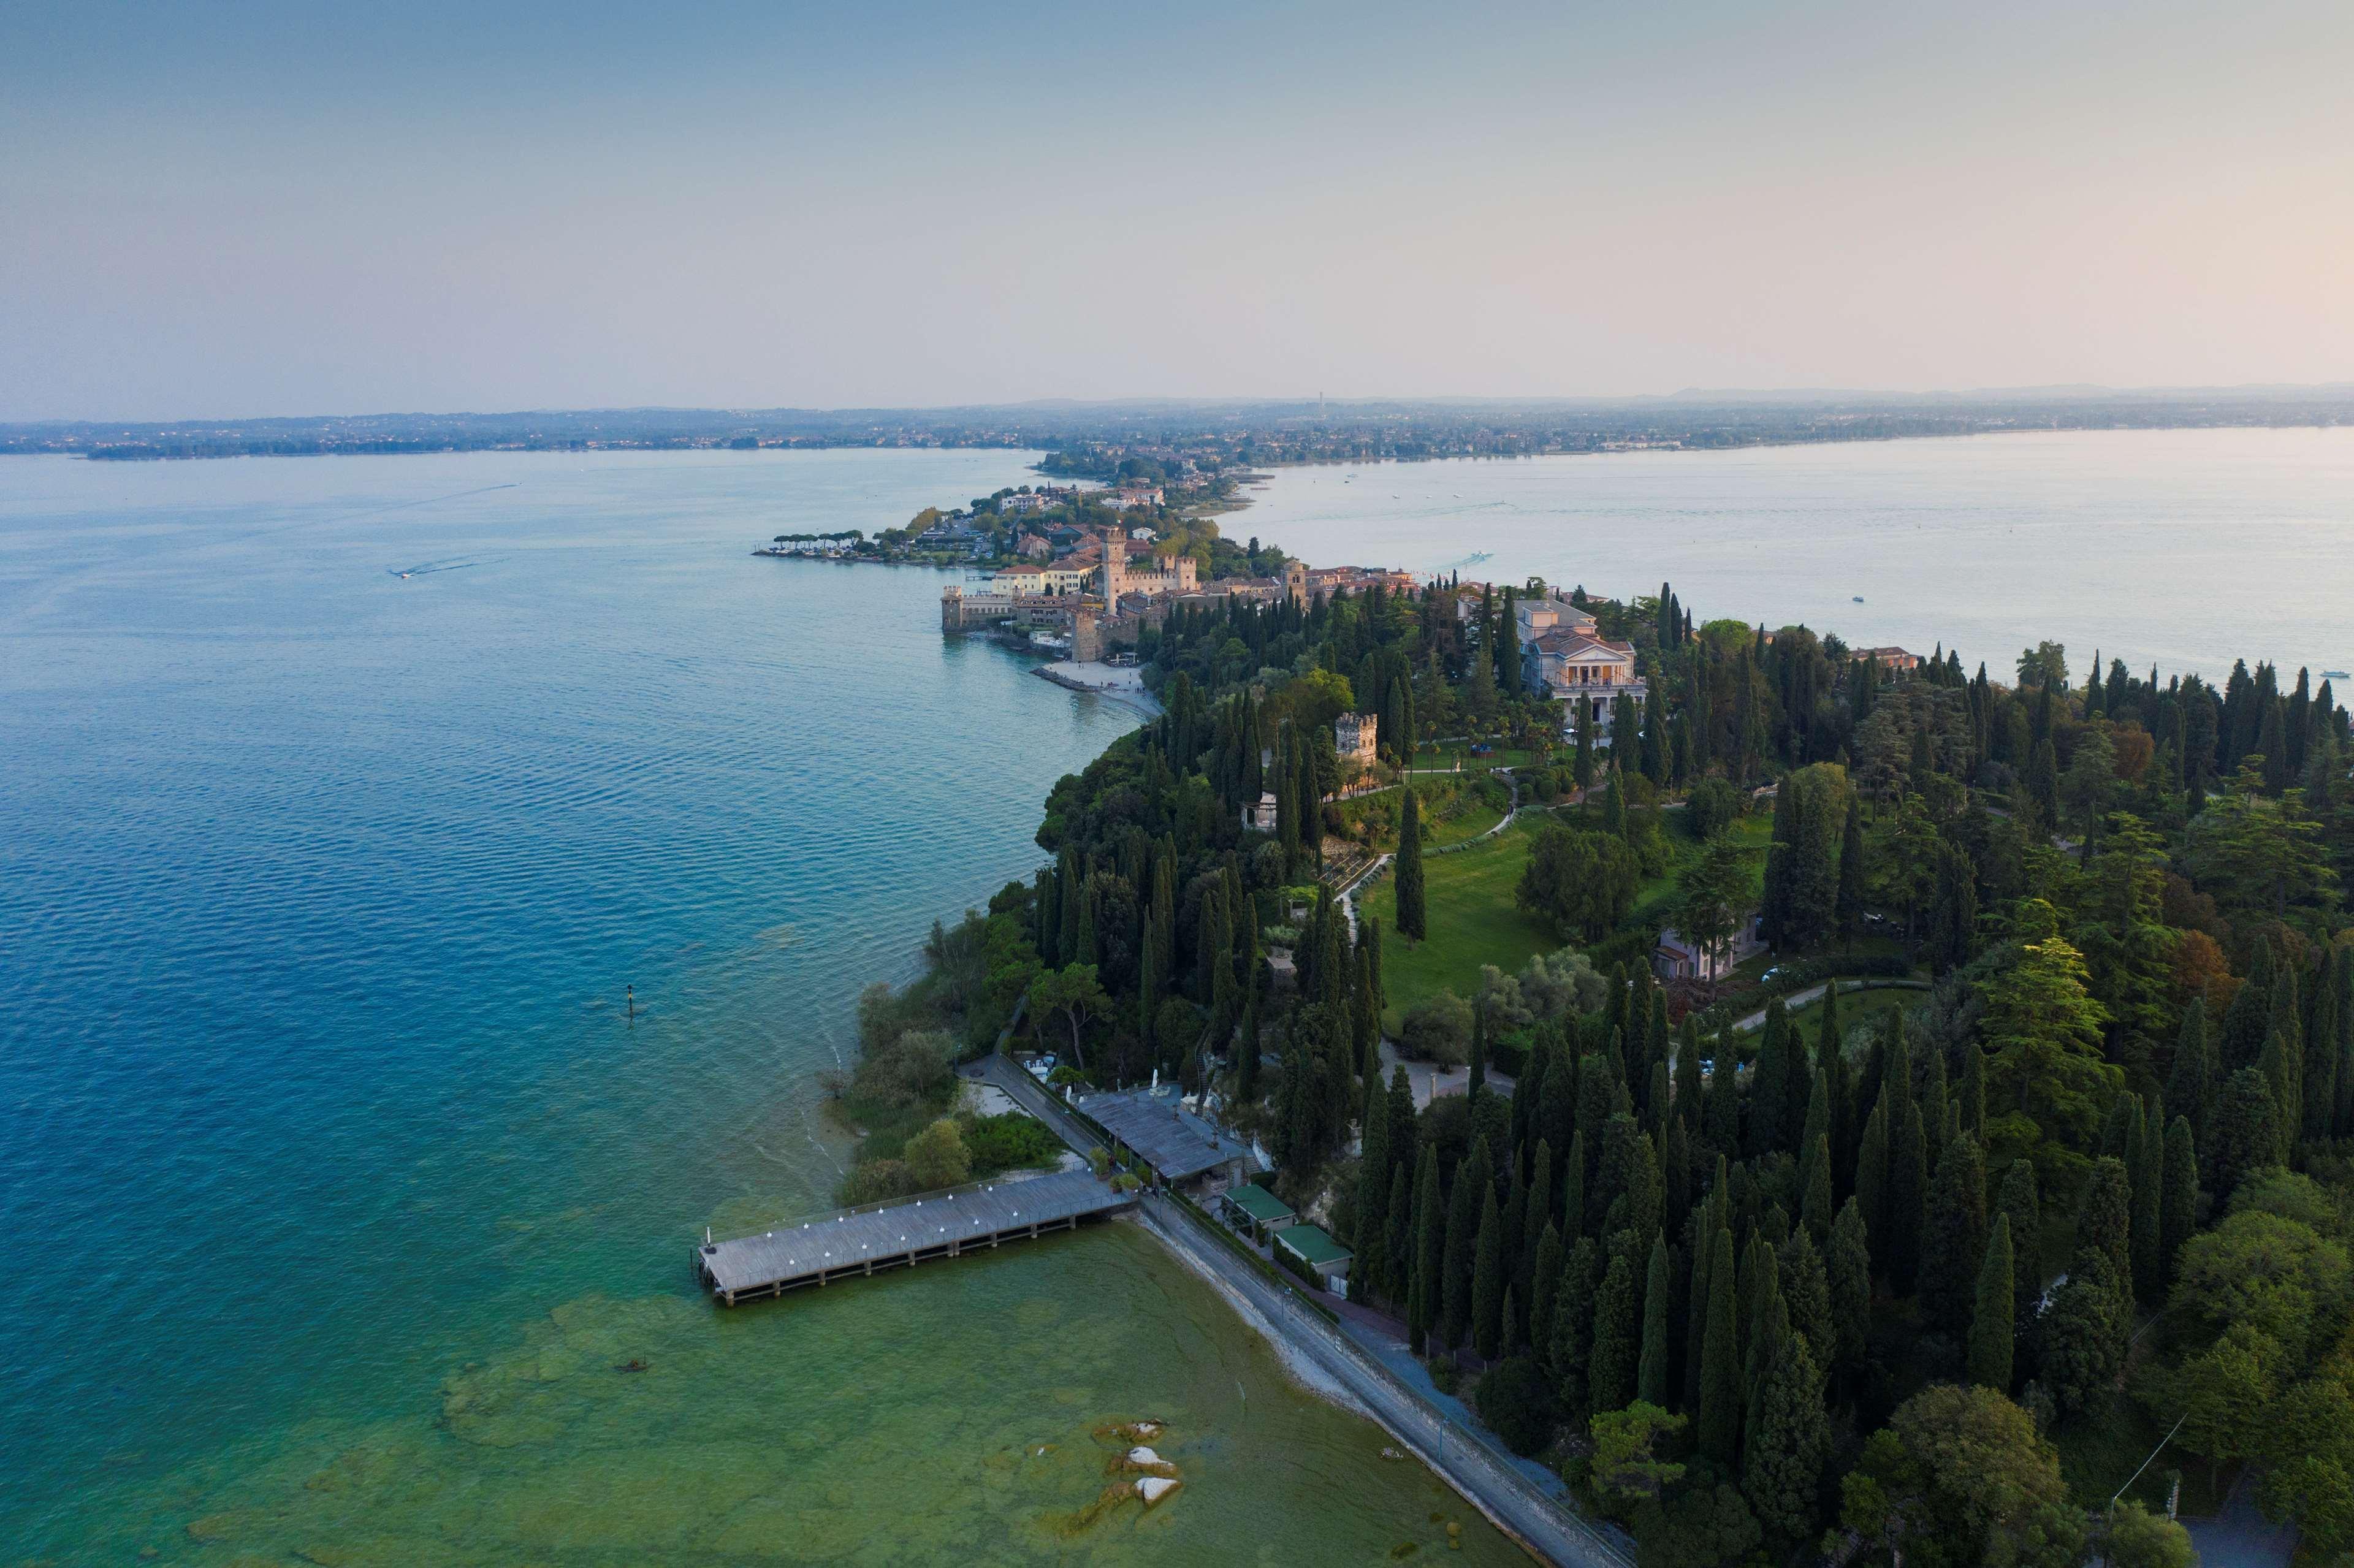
1689, 396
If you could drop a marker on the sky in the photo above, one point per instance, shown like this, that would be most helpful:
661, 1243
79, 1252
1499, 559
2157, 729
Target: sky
222, 210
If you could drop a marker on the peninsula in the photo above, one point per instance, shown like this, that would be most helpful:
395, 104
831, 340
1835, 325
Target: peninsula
1725, 1067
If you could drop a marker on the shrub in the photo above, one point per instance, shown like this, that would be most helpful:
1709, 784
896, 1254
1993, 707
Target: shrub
1713, 806
913, 1068
1010, 1142
1438, 1030
875, 1181
1516, 1403
937, 1157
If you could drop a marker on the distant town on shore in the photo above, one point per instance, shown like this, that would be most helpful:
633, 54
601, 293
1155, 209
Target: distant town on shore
1218, 434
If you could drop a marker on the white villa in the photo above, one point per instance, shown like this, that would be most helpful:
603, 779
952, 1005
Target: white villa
1563, 655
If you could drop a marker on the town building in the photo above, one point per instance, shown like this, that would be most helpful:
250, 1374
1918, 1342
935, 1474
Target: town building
1031, 545
1553, 612
1171, 574
1893, 658
1055, 577
1261, 817
1354, 736
1329, 580
1022, 500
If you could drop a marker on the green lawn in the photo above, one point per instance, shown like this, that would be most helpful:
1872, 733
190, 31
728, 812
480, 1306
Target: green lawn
1854, 1007
1467, 897
1657, 897
1453, 812
1447, 757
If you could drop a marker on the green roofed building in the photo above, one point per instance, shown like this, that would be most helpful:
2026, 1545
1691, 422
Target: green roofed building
1308, 1249
1258, 1210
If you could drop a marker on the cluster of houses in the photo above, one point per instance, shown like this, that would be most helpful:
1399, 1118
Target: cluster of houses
1101, 587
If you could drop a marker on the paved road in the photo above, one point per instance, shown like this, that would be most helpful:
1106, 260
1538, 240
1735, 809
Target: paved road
1798, 998
1485, 1475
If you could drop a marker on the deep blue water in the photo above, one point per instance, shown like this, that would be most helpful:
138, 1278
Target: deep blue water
319, 890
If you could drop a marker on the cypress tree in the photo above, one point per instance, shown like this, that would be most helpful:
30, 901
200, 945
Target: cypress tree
2245, 1131
1969, 1095
1806, 1286
2145, 1177
2248, 1020
1789, 1439
1544, 1293
1412, 922
1247, 1050
2022, 1205
1071, 896
1723, 1132
1478, 1076
1688, 1090
1993, 1335
1370, 1265
1423, 1298
2106, 1220
1573, 1324
1849, 1277
1696, 1312
1908, 1182
1769, 1083
2323, 1048
1758, 1296
1572, 1208
1617, 1326
1535, 1218
1463, 1208
1397, 1241
1651, 1371
1720, 1382
2277, 1064
1084, 943
1487, 1279
2177, 1201
1814, 1212
1957, 1236
2189, 1086
1870, 1184
1848, 906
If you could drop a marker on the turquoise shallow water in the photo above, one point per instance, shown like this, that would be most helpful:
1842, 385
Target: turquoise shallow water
335, 1177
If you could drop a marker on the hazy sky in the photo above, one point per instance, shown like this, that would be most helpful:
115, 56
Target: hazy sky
243, 209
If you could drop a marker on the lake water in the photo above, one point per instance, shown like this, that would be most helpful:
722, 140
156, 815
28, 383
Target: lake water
337, 1181
2184, 548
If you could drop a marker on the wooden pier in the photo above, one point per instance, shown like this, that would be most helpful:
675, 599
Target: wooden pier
864, 1241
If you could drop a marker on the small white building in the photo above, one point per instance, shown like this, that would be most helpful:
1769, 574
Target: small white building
1260, 818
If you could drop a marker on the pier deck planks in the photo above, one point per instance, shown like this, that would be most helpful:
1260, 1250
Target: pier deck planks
770, 1264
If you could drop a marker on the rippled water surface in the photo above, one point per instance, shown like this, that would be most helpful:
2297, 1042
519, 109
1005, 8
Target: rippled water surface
335, 1179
